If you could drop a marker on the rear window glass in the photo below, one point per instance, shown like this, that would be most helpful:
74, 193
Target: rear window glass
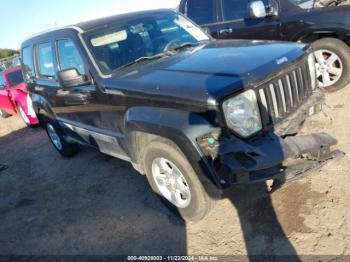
201, 11
45, 60
15, 78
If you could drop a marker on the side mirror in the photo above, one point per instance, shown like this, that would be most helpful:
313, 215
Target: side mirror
257, 10
71, 78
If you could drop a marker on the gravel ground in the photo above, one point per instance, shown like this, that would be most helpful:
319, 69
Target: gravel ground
95, 204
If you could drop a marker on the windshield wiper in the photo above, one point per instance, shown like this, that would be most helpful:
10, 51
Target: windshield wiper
182, 46
158, 56
144, 58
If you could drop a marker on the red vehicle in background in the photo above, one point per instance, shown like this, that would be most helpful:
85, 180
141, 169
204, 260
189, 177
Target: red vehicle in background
14, 98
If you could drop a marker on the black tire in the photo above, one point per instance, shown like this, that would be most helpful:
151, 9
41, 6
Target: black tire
3, 114
201, 204
67, 149
342, 50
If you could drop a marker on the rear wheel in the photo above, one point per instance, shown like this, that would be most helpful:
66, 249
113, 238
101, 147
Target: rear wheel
3, 114
332, 63
57, 139
174, 180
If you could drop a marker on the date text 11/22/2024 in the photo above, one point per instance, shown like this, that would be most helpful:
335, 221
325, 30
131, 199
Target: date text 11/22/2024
172, 258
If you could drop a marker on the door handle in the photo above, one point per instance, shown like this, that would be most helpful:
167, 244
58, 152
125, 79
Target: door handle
225, 31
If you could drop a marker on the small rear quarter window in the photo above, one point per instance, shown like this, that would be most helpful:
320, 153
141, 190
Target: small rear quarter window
28, 62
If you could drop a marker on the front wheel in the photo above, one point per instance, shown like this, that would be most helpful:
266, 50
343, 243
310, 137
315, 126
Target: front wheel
332, 63
57, 139
173, 178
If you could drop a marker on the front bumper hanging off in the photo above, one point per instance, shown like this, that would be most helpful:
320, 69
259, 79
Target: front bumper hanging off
272, 157
308, 152
276, 154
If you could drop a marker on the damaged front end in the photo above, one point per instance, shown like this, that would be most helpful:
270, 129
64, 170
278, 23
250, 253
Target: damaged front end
239, 162
279, 153
283, 102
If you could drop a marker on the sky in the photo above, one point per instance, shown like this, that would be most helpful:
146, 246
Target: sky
23, 18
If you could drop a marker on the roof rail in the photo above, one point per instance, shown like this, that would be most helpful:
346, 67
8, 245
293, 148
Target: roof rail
53, 30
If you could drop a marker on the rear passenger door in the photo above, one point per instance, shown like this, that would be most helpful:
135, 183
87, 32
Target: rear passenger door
236, 23
45, 84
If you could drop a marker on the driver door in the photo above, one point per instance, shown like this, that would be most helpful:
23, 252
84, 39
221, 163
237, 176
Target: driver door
237, 24
74, 103
85, 109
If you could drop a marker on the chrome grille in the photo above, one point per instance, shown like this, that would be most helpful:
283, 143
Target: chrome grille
283, 95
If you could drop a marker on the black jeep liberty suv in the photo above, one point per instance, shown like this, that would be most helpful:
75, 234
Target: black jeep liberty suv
193, 114
325, 24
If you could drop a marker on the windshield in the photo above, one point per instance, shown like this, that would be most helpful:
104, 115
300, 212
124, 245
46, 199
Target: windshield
120, 45
15, 78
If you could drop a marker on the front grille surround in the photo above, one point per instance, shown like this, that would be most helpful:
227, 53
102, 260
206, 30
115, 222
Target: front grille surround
283, 95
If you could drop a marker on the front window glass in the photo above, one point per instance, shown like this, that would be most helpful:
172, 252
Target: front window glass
69, 56
119, 45
15, 78
45, 60
236, 9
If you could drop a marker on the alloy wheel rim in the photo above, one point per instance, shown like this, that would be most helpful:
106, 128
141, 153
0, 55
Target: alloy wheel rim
54, 136
171, 182
0, 112
23, 115
329, 67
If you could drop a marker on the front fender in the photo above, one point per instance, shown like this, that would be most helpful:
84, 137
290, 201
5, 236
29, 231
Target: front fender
181, 127
168, 123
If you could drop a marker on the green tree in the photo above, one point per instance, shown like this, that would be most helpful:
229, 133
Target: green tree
7, 53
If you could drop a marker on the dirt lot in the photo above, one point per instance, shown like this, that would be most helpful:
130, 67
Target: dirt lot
94, 204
